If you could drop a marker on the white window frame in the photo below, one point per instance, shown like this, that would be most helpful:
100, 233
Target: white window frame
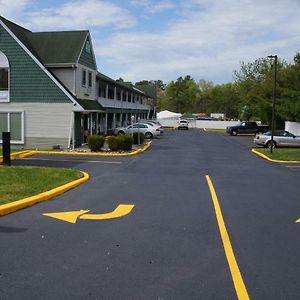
5, 95
15, 142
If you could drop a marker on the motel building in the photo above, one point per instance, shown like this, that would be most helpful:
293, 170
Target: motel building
51, 92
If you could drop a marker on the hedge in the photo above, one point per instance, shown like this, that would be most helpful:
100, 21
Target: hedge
95, 142
120, 142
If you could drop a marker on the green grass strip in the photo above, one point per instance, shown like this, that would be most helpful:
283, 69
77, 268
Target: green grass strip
20, 182
281, 154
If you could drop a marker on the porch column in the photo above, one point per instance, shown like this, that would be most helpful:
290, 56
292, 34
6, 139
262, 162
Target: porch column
106, 123
97, 123
106, 91
114, 121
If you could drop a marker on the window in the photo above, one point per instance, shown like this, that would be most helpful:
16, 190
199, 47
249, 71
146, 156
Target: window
83, 80
90, 79
12, 122
4, 78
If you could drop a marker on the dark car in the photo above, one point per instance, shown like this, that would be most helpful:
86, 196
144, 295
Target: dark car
247, 127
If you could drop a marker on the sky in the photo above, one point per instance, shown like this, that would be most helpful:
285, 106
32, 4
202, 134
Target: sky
165, 39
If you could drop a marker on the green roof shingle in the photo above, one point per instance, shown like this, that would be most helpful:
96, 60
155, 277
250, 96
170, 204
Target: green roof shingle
60, 47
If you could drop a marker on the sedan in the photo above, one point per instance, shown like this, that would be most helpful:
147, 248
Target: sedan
281, 138
153, 123
149, 130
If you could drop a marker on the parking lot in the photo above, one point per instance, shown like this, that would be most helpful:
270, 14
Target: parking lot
180, 241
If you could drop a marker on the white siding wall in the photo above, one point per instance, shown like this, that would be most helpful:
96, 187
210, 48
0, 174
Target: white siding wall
45, 125
82, 92
66, 76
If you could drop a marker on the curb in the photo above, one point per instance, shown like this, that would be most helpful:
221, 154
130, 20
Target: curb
14, 155
274, 160
213, 130
33, 152
29, 201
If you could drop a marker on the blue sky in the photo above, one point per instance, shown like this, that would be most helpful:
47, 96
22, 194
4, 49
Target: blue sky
166, 39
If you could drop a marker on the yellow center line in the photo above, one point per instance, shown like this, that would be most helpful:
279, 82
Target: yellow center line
238, 282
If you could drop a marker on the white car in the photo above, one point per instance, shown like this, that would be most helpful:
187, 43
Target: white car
281, 138
149, 130
154, 123
183, 124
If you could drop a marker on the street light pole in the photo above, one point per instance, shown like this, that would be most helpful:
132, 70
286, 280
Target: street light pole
273, 102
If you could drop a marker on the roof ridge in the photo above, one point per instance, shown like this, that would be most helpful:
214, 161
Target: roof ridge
15, 24
60, 31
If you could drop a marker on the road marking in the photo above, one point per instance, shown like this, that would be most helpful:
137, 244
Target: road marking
238, 282
72, 216
293, 166
75, 160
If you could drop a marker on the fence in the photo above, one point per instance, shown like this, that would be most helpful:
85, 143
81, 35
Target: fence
198, 123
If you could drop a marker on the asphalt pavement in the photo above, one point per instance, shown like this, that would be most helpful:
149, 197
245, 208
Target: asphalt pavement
169, 246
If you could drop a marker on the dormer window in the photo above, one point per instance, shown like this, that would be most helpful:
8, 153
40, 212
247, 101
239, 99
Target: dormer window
4, 78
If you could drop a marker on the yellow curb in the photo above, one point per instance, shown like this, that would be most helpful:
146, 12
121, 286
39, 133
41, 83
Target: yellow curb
19, 204
30, 153
14, 155
214, 130
274, 160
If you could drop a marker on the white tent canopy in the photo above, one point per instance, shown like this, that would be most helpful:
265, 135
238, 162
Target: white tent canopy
165, 114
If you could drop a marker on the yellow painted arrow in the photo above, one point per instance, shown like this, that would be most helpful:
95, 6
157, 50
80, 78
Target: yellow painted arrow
298, 221
72, 216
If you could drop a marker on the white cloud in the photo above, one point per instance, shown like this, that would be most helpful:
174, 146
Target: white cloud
11, 9
151, 7
80, 15
209, 41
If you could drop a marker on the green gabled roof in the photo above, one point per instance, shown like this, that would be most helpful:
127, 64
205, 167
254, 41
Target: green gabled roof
90, 105
149, 90
60, 47
20, 32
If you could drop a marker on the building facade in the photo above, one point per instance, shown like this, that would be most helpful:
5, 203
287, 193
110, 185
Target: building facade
51, 93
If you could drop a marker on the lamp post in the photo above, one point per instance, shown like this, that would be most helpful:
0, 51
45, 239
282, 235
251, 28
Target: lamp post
273, 102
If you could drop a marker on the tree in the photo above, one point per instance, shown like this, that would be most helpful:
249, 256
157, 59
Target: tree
180, 95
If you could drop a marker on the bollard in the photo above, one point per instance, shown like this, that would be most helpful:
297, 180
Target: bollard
6, 148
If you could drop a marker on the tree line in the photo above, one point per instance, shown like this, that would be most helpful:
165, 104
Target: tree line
248, 97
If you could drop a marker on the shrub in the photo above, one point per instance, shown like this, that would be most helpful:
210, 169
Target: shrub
120, 142
135, 138
95, 142
113, 143
126, 142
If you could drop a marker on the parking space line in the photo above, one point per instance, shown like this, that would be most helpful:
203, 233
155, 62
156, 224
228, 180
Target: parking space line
238, 282
293, 166
75, 160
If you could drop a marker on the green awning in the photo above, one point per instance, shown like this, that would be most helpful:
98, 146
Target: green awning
90, 105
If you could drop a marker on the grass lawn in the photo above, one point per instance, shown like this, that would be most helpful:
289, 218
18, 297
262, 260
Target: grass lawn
21, 182
281, 153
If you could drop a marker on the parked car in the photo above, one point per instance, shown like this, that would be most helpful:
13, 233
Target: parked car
281, 138
155, 123
183, 124
247, 127
149, 130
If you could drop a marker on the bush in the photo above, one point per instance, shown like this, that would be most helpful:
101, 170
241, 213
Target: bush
135, 138
113, 143
120, 142
95, 142
126, 142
